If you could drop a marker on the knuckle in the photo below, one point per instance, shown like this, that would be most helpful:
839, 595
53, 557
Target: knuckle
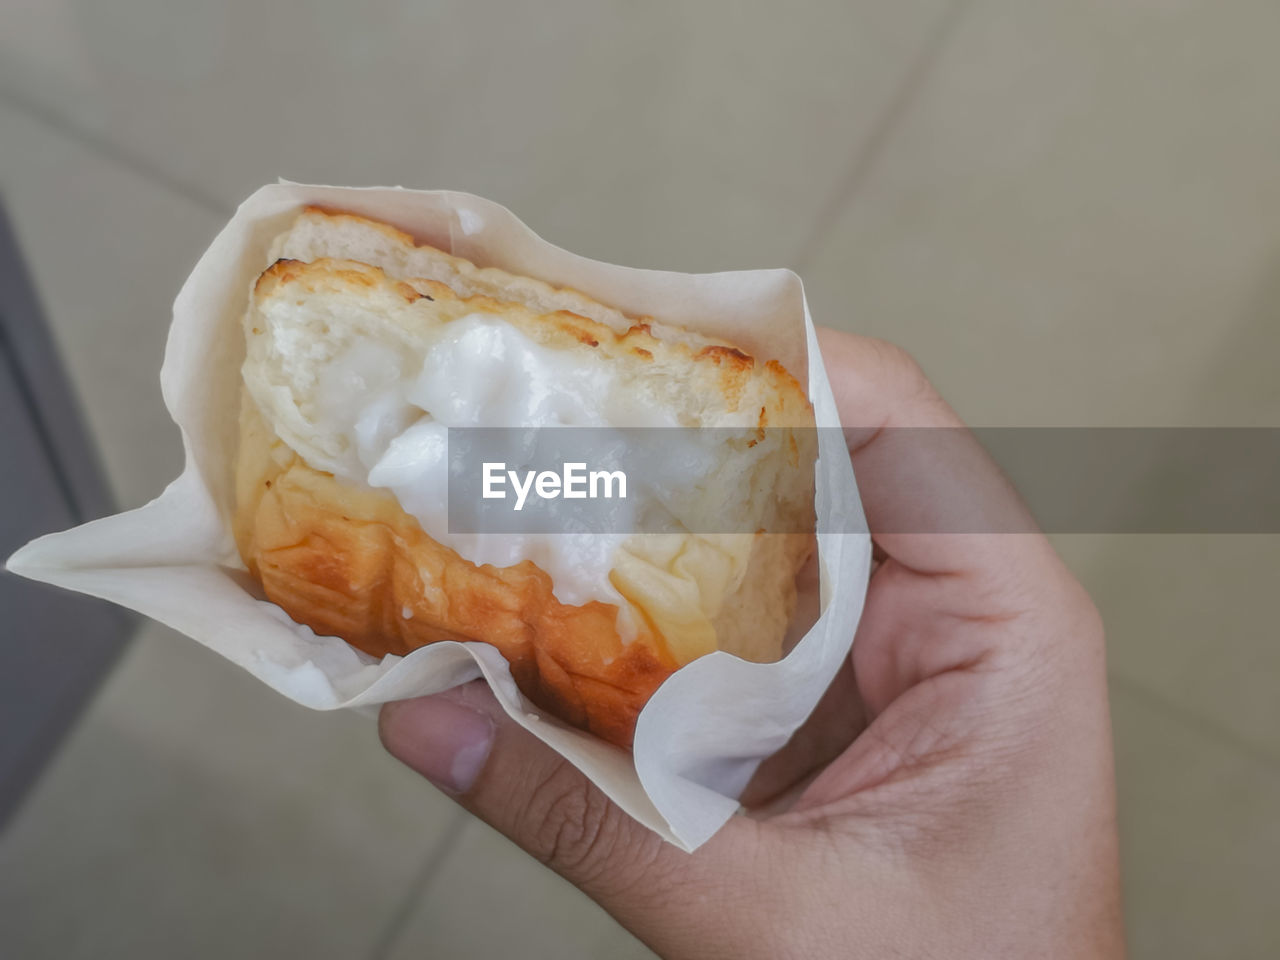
896, 360
574, 829
573, 825
871, 355
903, 375
1086, 624
1090, 616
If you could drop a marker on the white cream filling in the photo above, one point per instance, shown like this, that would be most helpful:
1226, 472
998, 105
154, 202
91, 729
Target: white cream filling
391, 407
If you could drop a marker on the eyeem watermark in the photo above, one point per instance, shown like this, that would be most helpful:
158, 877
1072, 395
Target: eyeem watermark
573, 482
1074, 479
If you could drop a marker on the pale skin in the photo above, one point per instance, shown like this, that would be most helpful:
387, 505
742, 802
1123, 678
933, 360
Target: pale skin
952, 796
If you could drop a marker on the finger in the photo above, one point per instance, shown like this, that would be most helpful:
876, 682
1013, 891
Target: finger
933, 497
835, 722
463, 742
933, 604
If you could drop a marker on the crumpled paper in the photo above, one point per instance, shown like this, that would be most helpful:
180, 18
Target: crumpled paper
702, 735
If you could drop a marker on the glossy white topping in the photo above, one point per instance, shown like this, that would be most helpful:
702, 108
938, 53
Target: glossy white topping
391, 410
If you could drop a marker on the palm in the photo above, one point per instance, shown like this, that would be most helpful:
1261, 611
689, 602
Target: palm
915, 686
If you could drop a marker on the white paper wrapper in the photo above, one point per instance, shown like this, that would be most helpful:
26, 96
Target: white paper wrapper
701, 736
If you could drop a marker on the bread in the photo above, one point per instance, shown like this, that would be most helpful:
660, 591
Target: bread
349, 556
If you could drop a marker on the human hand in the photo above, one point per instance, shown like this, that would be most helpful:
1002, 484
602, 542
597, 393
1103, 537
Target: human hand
952, 796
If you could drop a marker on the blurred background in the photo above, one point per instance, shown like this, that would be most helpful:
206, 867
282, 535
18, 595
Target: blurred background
1068, 211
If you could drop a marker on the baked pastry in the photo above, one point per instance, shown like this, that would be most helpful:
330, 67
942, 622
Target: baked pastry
363, 348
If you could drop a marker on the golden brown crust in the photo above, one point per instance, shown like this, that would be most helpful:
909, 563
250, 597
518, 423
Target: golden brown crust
399, 238
353, 564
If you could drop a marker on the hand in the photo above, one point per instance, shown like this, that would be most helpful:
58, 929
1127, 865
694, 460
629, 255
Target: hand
953, 794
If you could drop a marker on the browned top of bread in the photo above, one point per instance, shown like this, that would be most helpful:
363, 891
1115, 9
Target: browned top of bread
728, 368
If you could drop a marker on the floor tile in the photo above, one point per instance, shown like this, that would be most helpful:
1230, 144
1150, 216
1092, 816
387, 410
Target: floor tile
195, 813
1192, 619
1078, 220
1200, 840
108, 251
490, 899
665, 134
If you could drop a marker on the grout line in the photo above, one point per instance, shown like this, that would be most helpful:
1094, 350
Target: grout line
395, 926
109, 151
1161, 703
867, 156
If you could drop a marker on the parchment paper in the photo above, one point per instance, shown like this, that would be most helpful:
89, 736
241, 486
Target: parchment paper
701, 736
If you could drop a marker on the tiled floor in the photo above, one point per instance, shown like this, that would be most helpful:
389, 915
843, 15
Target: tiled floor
1069, 211
192, 815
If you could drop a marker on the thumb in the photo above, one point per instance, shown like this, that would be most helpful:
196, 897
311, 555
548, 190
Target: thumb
464, 743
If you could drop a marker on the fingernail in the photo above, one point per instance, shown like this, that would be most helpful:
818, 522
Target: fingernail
439, 737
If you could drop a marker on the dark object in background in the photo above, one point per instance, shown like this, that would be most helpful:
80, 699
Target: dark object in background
55, 646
